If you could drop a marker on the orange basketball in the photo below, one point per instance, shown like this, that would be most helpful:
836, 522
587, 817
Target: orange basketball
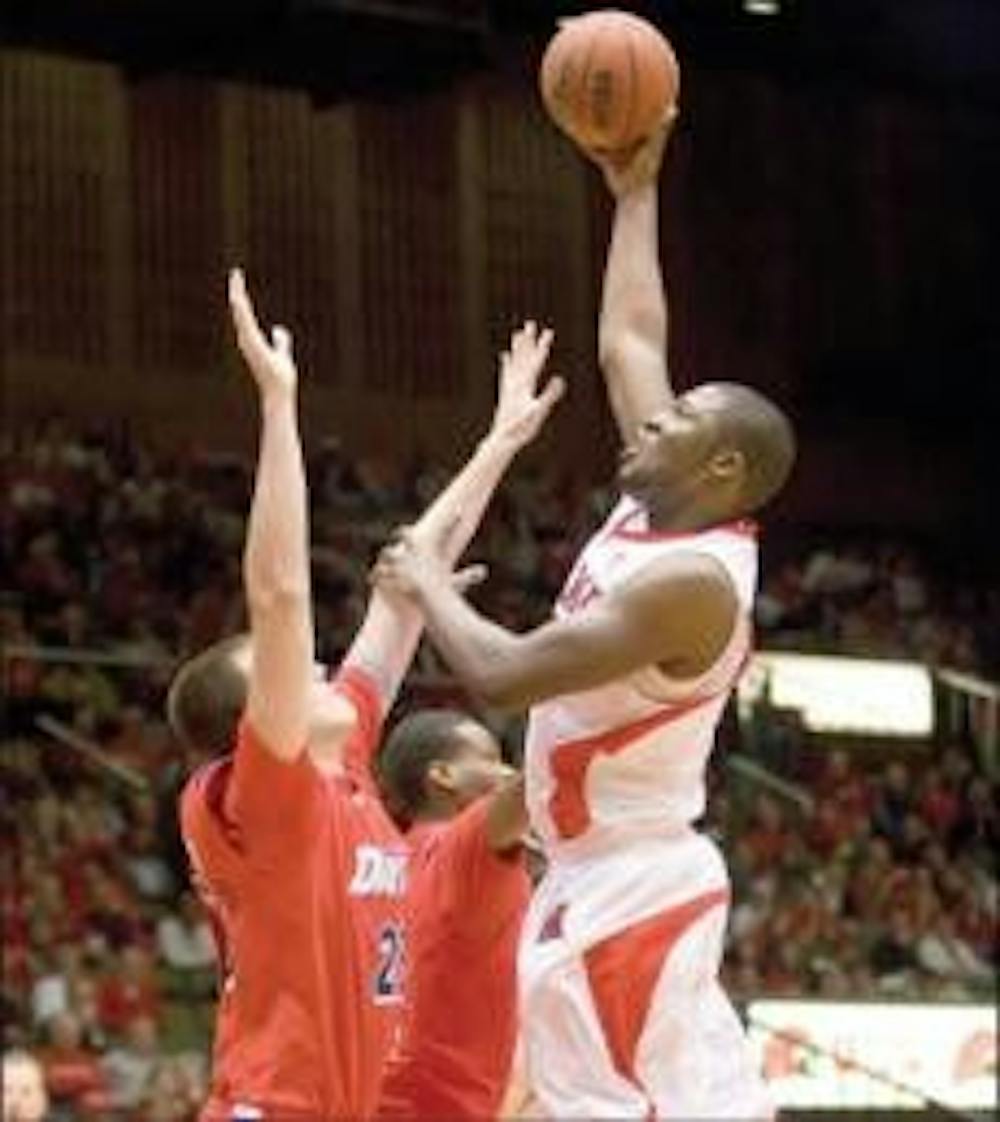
607, 78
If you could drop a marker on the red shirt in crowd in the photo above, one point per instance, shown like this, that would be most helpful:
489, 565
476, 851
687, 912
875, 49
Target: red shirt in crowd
303, 875
464, 908
121, 1000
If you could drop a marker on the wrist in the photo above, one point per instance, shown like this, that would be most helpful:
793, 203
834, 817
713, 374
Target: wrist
277, 401
500, 444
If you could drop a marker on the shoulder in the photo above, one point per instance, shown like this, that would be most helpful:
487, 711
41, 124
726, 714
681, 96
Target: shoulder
203, 795
681, 576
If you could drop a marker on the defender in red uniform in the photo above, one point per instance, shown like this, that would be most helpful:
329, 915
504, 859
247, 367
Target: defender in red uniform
301, 868
444, 779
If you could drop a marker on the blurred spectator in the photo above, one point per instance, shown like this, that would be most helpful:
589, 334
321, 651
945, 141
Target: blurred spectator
175, 1092
892, 804
57, 968
73, 1074
893, 953
942, 951
25, 1098
131, 1065
187, 949
129, 990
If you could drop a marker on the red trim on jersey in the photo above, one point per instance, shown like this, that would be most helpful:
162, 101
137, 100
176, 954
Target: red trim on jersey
744, 527
571, 760
623, 972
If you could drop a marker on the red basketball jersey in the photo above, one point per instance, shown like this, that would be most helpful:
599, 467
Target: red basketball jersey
464, 907
304, 876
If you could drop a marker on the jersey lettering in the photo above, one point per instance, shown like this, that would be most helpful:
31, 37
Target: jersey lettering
579, 590
389, 969
377, 872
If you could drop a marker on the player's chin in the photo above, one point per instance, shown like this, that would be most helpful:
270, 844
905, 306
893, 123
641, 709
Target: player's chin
628, 479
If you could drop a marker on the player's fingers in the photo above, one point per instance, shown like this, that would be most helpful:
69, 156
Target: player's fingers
554, 390
469, 577
248, 333
386, 566
281, 337
520, 336
399, 534
545, 341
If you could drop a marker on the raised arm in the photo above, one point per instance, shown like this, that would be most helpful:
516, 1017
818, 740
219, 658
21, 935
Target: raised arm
276, 555
632, 332
392, 626
678, 613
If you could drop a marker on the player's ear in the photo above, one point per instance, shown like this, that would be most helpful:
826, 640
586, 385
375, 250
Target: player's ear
440, 776
729, 465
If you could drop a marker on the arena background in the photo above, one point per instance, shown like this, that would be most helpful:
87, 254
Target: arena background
385, 174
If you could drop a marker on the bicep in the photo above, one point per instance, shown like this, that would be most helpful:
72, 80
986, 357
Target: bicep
587, 650
507, 815
279, 675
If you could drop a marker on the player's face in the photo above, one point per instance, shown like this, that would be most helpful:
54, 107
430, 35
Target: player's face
674, 445
477, 767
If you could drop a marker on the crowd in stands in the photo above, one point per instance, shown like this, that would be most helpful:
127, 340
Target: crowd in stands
115, 562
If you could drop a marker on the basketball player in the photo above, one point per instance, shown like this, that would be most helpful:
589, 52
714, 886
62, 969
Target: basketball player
445, 780
301, 867
621, 1010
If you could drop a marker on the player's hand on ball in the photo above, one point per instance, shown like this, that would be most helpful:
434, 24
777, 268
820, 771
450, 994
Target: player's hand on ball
521, 410
627, 171
271, 364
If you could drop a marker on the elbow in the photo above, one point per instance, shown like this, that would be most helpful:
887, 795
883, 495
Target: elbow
610, 348
274, 594
640, 329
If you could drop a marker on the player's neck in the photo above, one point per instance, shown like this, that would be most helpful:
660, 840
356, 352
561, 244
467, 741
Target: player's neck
666, 517
438, 810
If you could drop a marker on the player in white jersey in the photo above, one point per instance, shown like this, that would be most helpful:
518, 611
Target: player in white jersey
622, 1013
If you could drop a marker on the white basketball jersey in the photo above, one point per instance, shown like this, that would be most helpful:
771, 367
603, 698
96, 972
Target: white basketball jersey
628, 758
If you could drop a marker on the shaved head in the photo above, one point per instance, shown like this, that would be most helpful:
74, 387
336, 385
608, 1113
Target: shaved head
755, 426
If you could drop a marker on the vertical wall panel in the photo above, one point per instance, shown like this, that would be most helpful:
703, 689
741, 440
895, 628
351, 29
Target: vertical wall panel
410, 229
54, 225
290, 231
177, 234
537, 246
540, 258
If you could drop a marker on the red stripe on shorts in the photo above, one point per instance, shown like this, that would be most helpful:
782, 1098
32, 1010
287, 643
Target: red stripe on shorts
623, 971
571, 760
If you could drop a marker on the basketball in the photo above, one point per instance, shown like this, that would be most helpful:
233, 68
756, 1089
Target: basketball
607, 78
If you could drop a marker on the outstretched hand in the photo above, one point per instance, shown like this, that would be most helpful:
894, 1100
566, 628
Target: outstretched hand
639, 165
521, 410
271, 364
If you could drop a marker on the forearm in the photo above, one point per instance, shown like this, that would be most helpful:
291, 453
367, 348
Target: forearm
276, 575
633, 300
454, 516
391, 631
481, 654
276, 555
632, 333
